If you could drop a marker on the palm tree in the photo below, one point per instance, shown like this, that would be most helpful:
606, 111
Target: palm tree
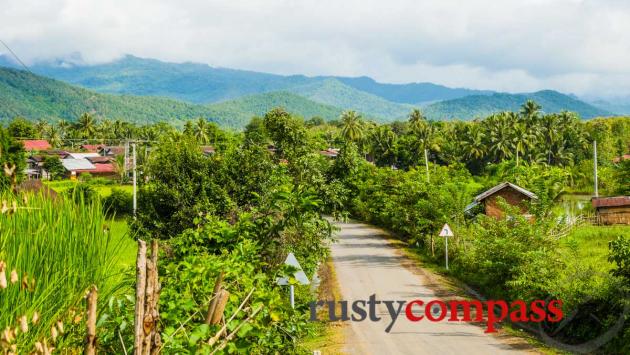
416, 119
382, 144
499, 135
201, 130
54, 136
352, 126
474, 141
86, 126
530, 109
40, 128
520, 139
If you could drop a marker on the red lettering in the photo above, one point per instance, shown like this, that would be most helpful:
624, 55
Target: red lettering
428, 310
519, 311
409, 311
538, 308
492, 317
466, 310
556, 311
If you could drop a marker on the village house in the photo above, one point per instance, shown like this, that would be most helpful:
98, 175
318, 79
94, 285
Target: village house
75, 167
35, 168
111, 151
207, 150
612, 210
513, 195
92, 148
621, 158
330, 152
36, 145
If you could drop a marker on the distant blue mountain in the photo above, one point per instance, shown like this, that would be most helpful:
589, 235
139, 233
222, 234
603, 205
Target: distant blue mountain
413, 93
479, 106
203, 84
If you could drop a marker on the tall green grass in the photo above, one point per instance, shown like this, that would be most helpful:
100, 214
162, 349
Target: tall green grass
64, 246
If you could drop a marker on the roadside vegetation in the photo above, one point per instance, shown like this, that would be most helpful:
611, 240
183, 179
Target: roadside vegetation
261, 193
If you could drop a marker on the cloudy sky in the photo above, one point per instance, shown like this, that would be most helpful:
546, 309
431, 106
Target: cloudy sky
576, 46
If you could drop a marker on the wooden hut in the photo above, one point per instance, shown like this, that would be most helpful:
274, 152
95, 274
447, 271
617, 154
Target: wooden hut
612, 210
512, 194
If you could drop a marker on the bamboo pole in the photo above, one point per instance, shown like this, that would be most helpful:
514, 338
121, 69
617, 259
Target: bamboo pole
90, 339
141, 282
215, 293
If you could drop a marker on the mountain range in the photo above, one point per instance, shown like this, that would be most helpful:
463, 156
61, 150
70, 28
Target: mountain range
146, 90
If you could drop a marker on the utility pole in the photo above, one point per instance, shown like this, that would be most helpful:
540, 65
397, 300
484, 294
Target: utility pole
426, 163
126, 163
595, 166
135, 187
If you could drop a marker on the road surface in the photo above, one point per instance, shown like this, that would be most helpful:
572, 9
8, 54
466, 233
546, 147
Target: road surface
365, 264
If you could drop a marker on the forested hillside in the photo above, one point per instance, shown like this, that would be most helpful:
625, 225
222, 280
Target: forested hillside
241, 110
477, 106
333, 92
412, 93
35, 97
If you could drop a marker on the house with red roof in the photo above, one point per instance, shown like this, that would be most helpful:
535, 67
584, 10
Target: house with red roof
621, 158
36, 145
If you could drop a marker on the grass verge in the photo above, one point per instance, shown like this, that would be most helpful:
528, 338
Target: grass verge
328, 337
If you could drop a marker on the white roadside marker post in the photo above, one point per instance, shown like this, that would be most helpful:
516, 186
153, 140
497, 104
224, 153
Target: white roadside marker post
446, 232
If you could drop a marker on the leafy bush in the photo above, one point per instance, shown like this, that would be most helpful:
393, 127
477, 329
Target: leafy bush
119, 203
54, 167
11, 157
82, 193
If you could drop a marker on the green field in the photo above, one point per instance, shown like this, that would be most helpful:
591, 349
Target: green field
591, 243
103, 190
121, 238
127, 245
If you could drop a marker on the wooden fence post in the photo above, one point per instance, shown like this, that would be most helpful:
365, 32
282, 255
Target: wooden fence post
148, 311
222, 298
215, 298
156, 341
90, 339
141, 284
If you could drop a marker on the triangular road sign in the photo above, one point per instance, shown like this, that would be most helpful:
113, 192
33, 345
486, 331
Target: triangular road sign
446, 231
299, 275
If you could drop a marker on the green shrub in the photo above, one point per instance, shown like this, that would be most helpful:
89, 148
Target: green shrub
119, 203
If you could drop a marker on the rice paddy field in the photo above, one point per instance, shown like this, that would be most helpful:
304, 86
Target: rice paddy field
51, 252
103, 189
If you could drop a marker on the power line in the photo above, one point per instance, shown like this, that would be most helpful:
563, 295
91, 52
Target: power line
16, 57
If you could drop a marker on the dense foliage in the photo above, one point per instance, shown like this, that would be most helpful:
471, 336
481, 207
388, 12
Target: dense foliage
12, 160
240, 202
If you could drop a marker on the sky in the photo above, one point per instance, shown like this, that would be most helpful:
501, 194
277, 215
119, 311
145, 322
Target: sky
575, 46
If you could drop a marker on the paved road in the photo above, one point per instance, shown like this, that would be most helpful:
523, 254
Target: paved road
365, 263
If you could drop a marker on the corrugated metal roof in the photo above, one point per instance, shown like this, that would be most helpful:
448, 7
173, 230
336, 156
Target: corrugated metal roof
500, 187
77, 164
83, 155
615, 201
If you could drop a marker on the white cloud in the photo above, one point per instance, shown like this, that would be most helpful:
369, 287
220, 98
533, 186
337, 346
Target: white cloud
575, 46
